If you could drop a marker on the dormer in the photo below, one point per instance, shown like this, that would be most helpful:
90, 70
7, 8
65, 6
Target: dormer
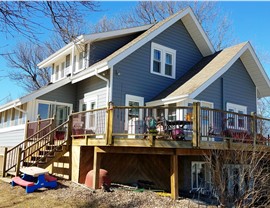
86, 50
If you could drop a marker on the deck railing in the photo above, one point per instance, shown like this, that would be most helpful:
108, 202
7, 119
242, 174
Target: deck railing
89, 124
194, 124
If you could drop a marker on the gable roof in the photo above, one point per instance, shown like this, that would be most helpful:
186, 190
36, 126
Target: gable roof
190, 22
219, 63
91, 38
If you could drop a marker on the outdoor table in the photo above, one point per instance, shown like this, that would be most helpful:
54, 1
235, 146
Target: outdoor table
39, 177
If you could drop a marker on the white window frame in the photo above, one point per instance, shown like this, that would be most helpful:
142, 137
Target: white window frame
163, 51
205, 174
52, 103
236, 108
88, 102
133, 98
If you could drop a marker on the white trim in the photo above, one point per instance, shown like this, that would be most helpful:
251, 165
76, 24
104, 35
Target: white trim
88, 38
156, 32
133, 98
89, 72
12, 128
163, 51
236, 108
52, 103
115, 33
111, 84
256, 80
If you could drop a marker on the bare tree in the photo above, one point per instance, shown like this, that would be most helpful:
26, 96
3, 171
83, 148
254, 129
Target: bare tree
22, 17
240, 178
23, 60
215, 23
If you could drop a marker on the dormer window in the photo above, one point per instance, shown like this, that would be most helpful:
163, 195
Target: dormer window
163, 60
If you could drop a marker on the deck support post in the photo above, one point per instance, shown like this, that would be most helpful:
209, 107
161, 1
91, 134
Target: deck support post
96, 168
18, 166
174, 176
4, 162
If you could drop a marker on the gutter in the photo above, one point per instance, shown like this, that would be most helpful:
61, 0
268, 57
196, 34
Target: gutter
108, 84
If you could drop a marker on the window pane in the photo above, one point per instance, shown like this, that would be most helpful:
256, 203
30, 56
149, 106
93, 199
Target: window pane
133, 112
168, 70
156, 66
157, 55
68, 60
43, 110
168, 59
56, 72
81, 60
62, 69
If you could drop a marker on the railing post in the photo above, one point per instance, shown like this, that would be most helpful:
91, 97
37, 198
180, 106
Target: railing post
4, 162
18, 161
254, 127
53, 125
196, 124
109, 126
69, 130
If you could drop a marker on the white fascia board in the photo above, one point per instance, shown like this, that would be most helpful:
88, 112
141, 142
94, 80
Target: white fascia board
175, 98
174, 101
45, 90
89, 72
10, 105
154, 103
147, 38
115, 33
65, 50
219, 73
206, 38
150, 36
257, 61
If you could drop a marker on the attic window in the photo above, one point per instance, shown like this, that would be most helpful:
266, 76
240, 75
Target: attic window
163, 60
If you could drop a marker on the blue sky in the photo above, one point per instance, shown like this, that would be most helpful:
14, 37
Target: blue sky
250, 22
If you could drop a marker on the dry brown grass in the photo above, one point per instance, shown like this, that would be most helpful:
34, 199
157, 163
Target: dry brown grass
69, 194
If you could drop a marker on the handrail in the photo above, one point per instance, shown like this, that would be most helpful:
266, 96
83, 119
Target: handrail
88, 111
46, 135
27, 140
47, 119
11, 155
40, 144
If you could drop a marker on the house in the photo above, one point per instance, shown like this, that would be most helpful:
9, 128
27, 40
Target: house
169, 70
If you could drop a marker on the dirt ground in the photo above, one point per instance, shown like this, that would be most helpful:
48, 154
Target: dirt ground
69, 194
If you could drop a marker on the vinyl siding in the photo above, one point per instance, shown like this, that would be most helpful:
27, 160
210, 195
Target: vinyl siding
135, 77
235, 85
95, 87
101, 49
10, 137
64, 94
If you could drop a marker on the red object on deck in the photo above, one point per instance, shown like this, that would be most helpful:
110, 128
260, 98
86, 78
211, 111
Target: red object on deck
22, 182
103, 178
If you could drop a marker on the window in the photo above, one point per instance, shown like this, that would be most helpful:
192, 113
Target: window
81, 60
163, 60
200, 175
68, 60
57, 72
62, 69
234, 120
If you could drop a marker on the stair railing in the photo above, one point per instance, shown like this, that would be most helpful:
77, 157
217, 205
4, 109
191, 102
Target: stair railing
45, 146
11, 156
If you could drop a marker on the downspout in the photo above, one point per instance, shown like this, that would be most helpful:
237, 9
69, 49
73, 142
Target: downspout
108, 84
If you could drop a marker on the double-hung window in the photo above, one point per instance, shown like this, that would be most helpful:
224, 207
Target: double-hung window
236, 119
163, 60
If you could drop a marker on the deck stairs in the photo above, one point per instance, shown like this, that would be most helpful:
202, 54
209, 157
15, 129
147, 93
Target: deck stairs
41, 149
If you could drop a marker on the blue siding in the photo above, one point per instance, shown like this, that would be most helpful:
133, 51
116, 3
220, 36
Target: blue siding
65, 94
236, 87
101, 49
135, 77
